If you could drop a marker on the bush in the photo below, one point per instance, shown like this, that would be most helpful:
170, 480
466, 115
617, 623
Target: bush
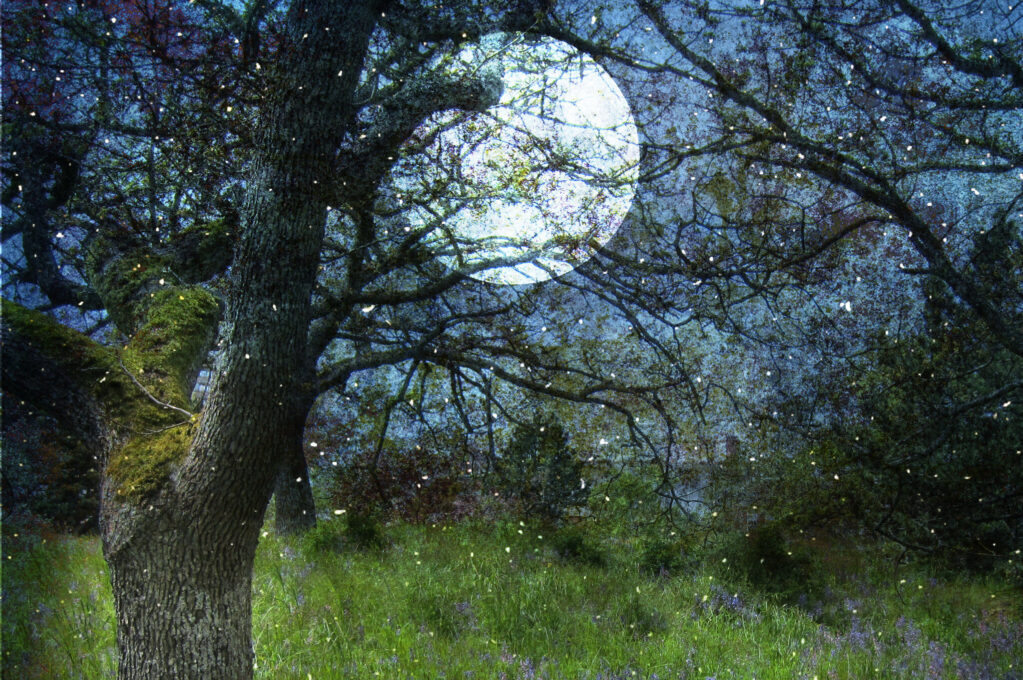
625, 502
573, 545
417, 487
765, 560
918, 444
661, 557
539, 473
47, 471
364, 531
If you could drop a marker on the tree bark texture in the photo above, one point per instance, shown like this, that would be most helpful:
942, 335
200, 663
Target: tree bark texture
294, 507
181, 562
183, 601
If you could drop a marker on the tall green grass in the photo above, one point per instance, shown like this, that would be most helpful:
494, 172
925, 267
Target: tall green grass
480, 601
58, 612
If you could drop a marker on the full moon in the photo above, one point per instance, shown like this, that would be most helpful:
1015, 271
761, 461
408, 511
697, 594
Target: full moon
528, 189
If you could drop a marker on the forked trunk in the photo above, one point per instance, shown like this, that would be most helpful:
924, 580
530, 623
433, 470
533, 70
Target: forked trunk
181, 559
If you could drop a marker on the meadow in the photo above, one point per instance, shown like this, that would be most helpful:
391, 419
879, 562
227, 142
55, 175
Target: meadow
502, 600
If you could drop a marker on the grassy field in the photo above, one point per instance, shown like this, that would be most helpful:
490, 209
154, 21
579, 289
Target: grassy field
496, 601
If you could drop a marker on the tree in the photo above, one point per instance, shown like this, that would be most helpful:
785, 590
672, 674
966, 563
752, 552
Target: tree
183, 494
540, 473
180, 550
332, 106
859, 142
903, 124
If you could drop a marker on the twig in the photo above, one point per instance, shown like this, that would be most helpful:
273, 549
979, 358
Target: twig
169, 427
151, 397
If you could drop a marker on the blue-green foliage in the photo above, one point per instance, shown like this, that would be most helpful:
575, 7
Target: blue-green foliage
539, 473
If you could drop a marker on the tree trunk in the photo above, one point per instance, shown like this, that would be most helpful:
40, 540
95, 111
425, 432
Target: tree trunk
294, 507
183, 606
181, 561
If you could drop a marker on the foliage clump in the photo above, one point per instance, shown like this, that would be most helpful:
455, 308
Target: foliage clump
48, 471
325, 537
573, 544
663, 557
539, 473
418, 488
364, 530
766, 560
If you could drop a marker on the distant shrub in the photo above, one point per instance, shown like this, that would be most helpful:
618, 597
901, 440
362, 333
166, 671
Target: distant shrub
928, 458
417, 486
662, 557
325, 537
539, 473
626, 501
47, 472
572, 544
364, 530
765, 560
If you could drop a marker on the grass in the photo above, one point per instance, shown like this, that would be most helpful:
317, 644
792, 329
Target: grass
479, 601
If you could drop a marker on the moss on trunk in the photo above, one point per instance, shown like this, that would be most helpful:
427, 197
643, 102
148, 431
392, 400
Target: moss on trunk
167, 350
162, 358
145, 462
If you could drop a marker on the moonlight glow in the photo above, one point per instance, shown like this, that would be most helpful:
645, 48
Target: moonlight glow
535, 183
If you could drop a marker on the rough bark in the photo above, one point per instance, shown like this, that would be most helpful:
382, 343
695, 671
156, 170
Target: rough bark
294, 507
183, 597
181, 561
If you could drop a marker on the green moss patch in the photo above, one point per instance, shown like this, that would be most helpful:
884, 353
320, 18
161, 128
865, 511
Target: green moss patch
162, 357
142, 466
95, 366
166, 352
125, 282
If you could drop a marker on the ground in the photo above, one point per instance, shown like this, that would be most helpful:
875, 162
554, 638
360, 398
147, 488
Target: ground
493, 600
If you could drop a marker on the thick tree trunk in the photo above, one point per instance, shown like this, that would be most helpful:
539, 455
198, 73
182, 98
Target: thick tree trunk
184, 607
294, 507
181, 561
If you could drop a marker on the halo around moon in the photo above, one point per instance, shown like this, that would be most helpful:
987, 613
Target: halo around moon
528, 189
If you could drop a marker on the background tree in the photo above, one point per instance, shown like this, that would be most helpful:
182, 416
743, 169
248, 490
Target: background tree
900, 159
540, 473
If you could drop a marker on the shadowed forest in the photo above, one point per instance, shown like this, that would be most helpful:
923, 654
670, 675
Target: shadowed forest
572, 339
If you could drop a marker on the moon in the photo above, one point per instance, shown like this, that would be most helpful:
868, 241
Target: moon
528, 189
